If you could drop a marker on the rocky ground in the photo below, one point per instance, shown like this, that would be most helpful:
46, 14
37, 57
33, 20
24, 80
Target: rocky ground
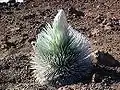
99, 20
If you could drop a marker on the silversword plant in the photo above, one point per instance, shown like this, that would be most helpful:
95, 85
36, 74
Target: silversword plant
62, 54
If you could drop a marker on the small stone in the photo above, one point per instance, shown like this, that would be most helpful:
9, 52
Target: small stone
15, 29
95, 32
12, 40
106, 27
2, 46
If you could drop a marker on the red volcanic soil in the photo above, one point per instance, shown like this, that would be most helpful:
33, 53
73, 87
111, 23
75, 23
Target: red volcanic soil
99, 20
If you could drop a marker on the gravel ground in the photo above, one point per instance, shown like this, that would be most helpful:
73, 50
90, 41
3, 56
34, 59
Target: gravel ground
99, 20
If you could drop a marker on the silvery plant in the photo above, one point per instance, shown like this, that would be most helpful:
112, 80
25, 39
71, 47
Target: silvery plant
62, 54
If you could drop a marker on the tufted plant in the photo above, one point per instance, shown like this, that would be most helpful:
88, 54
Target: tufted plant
62, 55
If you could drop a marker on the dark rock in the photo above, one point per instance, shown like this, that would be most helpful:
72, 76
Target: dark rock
12, 1
3, 4
106, 59
76, 12
96, 78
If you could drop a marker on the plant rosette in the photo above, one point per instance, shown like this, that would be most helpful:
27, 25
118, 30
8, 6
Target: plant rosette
62, 54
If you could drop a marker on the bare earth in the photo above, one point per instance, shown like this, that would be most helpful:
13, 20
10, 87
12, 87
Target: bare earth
99, 20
